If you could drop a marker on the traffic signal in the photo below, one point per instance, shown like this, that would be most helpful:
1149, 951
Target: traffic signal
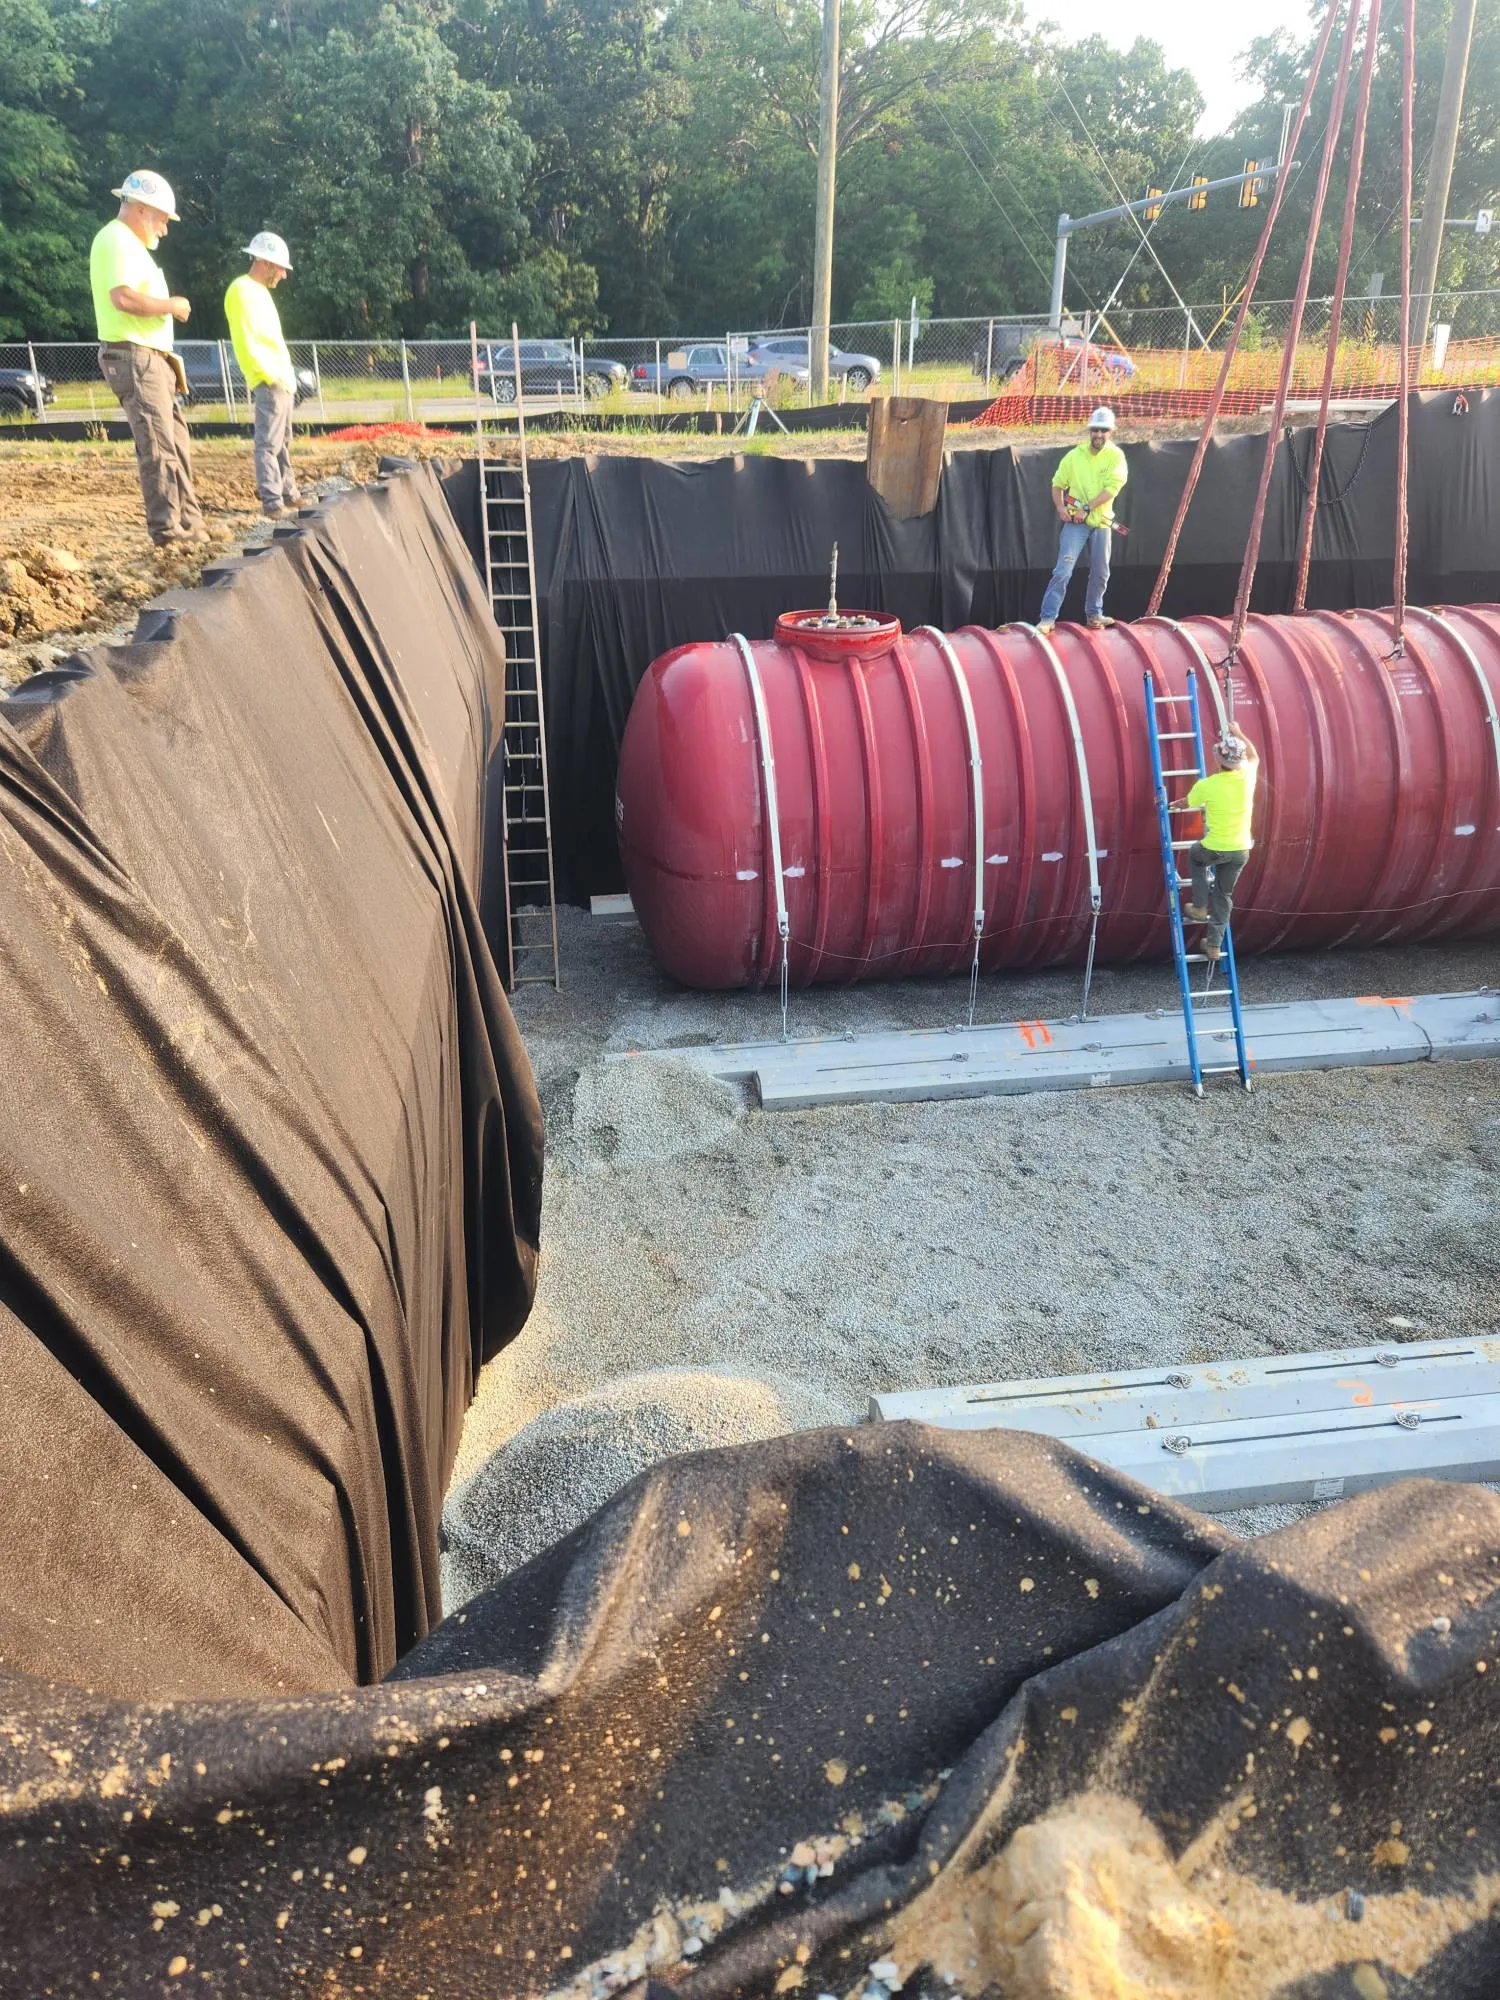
1153, 209
1199, 200
1250, 191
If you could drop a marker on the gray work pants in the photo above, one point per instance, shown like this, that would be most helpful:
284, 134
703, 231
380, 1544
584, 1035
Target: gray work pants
144, 381
275, 481
1214, 877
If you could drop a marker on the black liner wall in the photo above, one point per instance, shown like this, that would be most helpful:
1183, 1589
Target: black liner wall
273, 1152
635, 556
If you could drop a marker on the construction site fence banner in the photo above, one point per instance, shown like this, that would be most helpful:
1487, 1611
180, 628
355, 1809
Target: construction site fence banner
274, 1150
637, 555
1125, 351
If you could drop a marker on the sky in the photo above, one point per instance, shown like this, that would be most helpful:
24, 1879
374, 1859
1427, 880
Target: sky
1204, 36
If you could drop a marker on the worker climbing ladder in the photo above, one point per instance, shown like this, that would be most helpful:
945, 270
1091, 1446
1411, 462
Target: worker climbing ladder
510, 576
1201, 1007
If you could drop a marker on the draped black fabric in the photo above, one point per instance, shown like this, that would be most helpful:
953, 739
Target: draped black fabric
273, 1152
636, 556
894, 1645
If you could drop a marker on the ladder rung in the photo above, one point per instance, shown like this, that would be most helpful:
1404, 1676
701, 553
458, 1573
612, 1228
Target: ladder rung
1183, 771
1220, 1069
1170, 700
1174, 736
1205, 999
1179, 846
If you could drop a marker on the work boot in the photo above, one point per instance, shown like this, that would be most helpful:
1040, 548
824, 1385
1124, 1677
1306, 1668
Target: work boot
1099, 624
1047, 625
1191, 914
1212, 951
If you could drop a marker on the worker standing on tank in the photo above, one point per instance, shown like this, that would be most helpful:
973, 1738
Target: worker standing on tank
134, 311
266, 363
1084, 488
1226, 799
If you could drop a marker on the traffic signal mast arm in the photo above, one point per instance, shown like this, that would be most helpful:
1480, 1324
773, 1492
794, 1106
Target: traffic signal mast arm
1149, 205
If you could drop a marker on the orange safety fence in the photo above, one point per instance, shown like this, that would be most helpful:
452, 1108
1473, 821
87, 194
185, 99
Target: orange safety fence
1060, 384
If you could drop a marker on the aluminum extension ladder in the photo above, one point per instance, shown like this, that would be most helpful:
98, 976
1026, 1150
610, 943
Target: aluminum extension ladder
1199, 1007
510, 577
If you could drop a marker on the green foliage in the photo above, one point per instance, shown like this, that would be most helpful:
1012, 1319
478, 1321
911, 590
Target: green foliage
587, 166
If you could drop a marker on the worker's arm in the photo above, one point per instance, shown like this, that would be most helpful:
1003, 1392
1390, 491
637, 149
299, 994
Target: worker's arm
1252, 755
141, 305
1062, 502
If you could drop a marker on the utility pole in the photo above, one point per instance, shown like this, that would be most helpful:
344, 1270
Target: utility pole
1440, 166
828, 148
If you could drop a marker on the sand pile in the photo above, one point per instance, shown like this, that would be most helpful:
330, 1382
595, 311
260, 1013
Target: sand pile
564, 1464
1088, 1903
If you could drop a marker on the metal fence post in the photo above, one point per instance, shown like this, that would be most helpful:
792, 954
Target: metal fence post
318, 378
37, 391
895, 357
658, 378
1187, 341
226, 384
411, 414
989, 357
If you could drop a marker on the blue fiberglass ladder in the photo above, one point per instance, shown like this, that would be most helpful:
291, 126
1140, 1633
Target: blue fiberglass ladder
1197, 1007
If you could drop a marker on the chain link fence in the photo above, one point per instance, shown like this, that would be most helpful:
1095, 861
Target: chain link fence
1152, 351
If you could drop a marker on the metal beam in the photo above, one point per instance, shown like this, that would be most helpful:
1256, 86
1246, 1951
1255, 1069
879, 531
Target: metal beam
1105, 1052
1283, 1427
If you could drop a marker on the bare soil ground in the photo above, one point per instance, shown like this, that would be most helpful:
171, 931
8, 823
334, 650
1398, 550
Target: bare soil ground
76, 565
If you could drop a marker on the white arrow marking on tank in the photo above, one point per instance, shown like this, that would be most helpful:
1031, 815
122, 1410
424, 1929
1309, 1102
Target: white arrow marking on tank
995, 859
951, 861
792, 874
744, 874
1463, 829
1052, 857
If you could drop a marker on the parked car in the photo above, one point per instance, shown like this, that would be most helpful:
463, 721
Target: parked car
200, 358
792, 350
686, 370
24, 392
548, 368
1012, 346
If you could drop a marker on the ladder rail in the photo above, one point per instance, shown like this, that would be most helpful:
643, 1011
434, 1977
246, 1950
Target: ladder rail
1231, 969
1174, 899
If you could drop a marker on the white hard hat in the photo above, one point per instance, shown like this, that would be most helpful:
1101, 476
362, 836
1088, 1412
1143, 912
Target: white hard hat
1103, 419
1230, 749
272, 247
151, 189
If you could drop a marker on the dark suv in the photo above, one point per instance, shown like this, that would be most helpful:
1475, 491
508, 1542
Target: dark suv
548, 368
206, 377
24, 392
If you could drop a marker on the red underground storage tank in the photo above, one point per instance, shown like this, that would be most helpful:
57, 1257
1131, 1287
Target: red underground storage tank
888, 791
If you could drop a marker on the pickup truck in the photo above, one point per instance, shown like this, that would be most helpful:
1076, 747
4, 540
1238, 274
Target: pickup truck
686, 370
24, 392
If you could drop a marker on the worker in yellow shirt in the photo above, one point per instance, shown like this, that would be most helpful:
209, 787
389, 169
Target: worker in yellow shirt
1226, 799
255, 329
134, 312
1084, 487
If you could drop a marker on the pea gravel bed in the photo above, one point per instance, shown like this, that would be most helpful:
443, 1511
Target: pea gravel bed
713, 1273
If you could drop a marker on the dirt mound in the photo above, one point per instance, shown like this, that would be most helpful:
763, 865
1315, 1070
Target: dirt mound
43, 589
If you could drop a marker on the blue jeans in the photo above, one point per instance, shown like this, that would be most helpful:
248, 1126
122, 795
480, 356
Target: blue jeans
1070, 546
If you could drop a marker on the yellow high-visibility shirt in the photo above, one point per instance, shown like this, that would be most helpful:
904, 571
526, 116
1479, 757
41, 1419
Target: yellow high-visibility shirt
1093, 478
117, 256
1228, 801
255, 329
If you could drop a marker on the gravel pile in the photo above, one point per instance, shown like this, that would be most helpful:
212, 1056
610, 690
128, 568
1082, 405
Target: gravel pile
824, 1255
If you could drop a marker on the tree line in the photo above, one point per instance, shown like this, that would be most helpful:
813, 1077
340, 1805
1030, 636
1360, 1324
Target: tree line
596, 166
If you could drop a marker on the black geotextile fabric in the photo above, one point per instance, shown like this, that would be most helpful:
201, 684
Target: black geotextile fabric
635, 556
272, 1149
777, 1712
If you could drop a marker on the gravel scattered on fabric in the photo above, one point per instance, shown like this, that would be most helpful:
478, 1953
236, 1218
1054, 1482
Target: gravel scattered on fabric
832, 1253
